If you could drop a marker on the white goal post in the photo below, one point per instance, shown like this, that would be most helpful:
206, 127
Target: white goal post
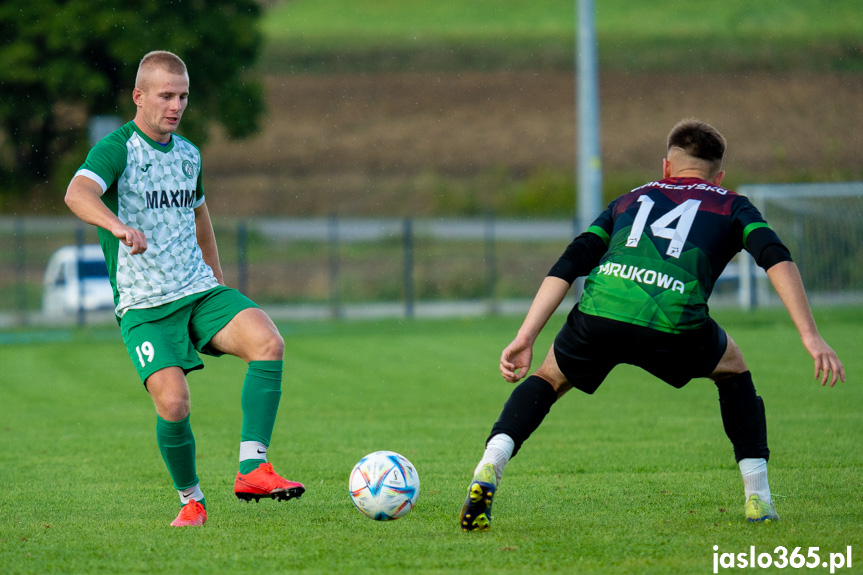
822, 225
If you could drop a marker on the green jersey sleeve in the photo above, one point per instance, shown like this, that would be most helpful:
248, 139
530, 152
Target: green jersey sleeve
106, 161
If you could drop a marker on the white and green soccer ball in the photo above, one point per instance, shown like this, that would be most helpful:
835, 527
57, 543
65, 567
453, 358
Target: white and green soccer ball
384, 485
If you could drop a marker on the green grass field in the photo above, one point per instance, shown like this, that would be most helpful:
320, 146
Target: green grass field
667, 35
636, 479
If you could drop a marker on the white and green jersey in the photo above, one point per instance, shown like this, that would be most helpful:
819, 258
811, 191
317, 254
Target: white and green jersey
155, 189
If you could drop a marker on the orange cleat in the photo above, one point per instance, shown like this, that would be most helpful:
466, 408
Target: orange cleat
264, 482
192, 514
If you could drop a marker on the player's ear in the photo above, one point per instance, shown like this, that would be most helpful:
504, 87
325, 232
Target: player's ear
666, 168
717, 179
138, 96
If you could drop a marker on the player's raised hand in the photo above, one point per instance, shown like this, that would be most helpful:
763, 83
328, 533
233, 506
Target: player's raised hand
515, 359
827, 364
131, 237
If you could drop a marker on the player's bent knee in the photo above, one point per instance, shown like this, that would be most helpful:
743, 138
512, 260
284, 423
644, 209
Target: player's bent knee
731, 363
172, 408
550, 372
274, 347
268, 346
170, 393
253, 336
555, 379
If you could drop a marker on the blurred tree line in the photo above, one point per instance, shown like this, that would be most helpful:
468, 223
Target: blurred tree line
63, 61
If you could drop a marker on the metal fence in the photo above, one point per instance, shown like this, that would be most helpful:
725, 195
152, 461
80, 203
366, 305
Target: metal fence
335, 267
326, 267
822, 225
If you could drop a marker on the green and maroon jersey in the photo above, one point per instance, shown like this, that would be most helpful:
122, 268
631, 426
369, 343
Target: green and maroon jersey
668, 242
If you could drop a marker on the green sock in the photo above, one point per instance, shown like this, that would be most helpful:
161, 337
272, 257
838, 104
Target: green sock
262, 391
177, 445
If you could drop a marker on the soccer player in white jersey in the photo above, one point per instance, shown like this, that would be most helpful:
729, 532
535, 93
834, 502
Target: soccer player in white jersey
142, 187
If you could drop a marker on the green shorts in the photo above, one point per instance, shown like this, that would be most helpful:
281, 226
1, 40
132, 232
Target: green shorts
170, 335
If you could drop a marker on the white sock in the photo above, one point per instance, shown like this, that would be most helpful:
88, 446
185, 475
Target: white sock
253, 450
187, 495
498, 452
754, 473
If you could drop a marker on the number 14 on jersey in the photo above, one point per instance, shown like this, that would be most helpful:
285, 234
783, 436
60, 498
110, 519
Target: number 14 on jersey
684, 214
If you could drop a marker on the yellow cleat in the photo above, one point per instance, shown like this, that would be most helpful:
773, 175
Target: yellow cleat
759, 511
476, 512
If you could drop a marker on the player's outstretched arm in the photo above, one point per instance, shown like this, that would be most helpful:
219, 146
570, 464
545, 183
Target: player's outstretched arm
84, 198
786, 279
517, 356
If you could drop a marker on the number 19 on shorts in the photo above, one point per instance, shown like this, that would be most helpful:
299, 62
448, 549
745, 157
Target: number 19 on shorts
145, 350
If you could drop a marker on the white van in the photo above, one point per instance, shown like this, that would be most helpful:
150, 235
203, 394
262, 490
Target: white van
76, 278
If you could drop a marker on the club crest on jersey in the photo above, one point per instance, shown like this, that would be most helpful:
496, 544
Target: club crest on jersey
188, 169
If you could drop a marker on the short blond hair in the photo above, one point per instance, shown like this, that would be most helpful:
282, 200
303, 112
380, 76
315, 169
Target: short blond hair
159, 60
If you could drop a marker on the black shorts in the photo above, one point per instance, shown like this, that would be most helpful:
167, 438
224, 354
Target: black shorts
588, 347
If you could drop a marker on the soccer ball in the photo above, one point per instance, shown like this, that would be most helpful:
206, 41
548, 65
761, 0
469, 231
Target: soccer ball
384, 485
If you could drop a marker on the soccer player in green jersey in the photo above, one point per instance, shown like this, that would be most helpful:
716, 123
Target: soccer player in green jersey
142, 187
651, 261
